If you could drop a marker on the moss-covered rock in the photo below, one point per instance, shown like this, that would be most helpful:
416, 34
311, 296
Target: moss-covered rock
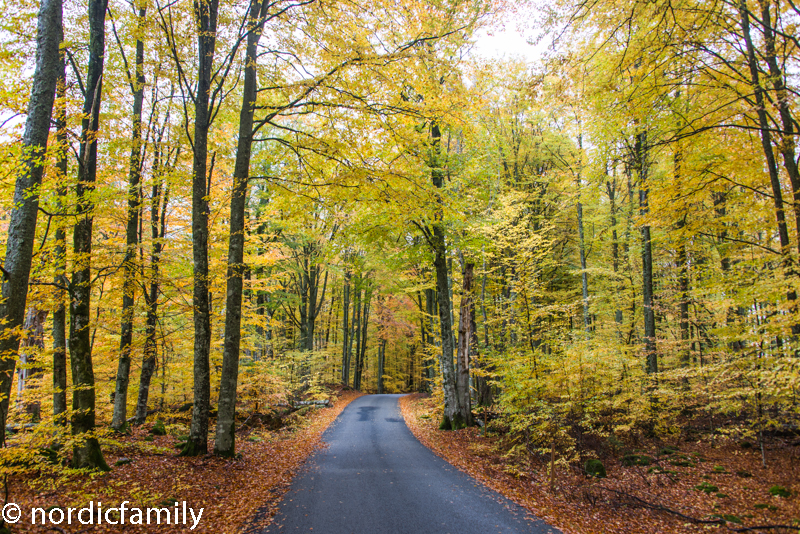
636, 459
707, 488
769, 507
595, 468
779, 491
159, 428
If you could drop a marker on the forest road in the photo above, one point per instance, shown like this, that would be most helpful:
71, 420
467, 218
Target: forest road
376, 478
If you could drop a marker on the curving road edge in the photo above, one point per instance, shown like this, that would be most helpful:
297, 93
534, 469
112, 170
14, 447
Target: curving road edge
375, 477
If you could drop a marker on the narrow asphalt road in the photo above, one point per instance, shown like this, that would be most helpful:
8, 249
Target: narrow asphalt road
376, 478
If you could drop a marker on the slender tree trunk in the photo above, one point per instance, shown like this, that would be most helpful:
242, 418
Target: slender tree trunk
432, 309
381, 364
86, 452
766, 145
465, 344
362, 350
346, 330
225, 441
197, 443
647, 259
482, 386
33, 326
683, 295
158, 230
22, 225
453, 417
587, 320
130, 268
60, 260
611, 189
783, 100
683, 274
356, 333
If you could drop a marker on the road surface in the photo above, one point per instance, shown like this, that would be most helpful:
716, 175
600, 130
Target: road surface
376, 478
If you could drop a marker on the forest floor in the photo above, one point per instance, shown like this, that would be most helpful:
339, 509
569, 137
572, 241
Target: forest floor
690, 486
236, 494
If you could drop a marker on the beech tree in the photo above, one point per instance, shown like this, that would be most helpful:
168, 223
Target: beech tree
22, 224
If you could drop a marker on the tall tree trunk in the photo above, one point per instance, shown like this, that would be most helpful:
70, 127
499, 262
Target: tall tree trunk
482, 386
453, 416
33, 326
432, 311
158, 230
611, 189
356, 333
225, 441
782, 100
22, 225
720, 200
60, 260
197, 443
466, 325
766, 145
651, 355
587, 320
683, 295
346, 329
362, 350
683, 273
86, 452
381, 364
130, 268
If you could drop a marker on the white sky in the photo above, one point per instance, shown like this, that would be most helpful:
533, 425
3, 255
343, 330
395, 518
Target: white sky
510, 37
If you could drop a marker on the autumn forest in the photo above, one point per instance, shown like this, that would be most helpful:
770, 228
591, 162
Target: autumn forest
216, 211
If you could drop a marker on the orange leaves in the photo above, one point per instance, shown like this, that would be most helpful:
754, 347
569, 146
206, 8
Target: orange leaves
632, 499
235, 494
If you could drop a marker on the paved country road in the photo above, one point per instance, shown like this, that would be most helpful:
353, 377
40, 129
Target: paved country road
376, 478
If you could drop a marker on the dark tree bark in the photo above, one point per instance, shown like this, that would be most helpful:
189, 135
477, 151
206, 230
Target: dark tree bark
158, 230
683, 275
130, 268
346, 329
432, 312
587, 320
225, 444
34, 339
453, 411
466, 338
356, 331
611, 191
651, 356
86, 452
361, 349
786, 144
381, 364
60, 260
22, 225
482, 386
197, 443
766, 144
720, 199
